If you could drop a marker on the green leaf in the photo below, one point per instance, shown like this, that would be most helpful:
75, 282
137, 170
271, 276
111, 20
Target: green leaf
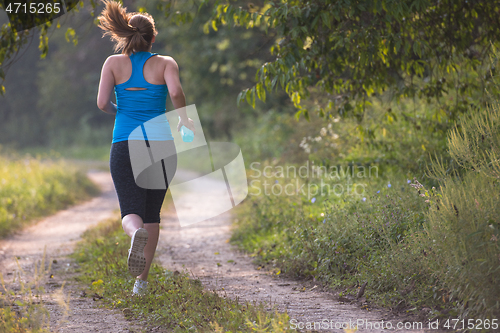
297, 114
473, 234
240, 97
214, 25
306, 115
325, 17
300, 43
253, 97
71, 36
248, 95
206, 28
416, 48
273, 82
314, 22
261, 92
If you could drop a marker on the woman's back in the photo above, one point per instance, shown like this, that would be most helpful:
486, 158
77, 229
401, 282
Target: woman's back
139, 100
153, 71
141, 80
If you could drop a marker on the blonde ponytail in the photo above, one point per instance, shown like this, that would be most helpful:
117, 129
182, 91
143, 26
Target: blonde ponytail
131, 32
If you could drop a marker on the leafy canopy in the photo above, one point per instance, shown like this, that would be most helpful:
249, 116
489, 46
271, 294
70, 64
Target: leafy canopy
354, 49
350, 50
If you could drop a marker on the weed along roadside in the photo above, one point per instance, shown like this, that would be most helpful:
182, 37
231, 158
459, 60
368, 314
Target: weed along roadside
37, 289
427, 248
203, 249
32, 188
175, 302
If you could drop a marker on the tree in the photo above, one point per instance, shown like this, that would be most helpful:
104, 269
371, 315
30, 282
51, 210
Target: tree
350, 50
24, 26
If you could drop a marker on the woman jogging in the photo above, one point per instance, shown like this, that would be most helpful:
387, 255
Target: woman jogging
141, 81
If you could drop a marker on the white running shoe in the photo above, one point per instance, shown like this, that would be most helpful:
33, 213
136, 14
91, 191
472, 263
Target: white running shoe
140, 287
136, 261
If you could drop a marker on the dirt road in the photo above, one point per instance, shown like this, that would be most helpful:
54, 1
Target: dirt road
200, 248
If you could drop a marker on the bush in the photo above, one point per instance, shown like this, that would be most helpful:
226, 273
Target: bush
436, 248
344, 241
31, 188
464, 219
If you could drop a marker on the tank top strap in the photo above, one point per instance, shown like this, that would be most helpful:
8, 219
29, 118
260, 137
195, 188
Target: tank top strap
138, 60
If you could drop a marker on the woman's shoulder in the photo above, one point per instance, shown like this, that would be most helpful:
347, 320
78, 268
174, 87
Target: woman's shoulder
115, 59
167, 60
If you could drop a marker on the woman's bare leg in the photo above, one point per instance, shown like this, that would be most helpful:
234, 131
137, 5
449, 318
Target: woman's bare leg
130, 223
149, 251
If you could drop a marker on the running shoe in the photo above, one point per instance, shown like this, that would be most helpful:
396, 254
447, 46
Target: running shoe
136, 261
140, 287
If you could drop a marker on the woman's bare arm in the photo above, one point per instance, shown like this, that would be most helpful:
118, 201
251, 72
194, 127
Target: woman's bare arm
176, 93
106, 85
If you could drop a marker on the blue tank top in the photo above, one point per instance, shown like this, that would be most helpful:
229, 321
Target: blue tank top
135, 107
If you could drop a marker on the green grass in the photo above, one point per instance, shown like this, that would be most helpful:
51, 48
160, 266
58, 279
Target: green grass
380, 237
345, 240
411, 254
22, 311
175, 301
381, 137
33, 187
73, 152
440, 251
464, 219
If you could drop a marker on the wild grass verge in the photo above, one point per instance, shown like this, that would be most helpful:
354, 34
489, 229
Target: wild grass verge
345, 241
434, 252
22, 309
31, 187
72, 152
175, 301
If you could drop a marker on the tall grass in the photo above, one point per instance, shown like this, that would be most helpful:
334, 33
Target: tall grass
31, 187
415, 247
344, 241
464, 219
22, 311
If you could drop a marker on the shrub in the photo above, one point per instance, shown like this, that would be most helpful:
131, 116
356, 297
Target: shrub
464, 219
31, 188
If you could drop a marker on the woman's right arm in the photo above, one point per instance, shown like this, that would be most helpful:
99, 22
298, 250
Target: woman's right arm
106, 84
176, 93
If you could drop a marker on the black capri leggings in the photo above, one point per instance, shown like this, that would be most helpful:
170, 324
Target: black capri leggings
134, 199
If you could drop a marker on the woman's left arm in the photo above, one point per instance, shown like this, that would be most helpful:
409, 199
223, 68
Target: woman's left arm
106, 86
